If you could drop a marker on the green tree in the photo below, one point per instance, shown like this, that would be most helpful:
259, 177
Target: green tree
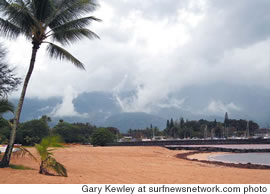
113, 130
102, 137
4, 130
8, 83
31, 132
46, 119
74, 133
5, 106
167, 124
171, 123
8, 80
226, 125
182, 122
39, 21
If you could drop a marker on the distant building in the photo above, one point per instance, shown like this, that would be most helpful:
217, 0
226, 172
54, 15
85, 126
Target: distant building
126, 139
146, 139
262, 133
158, 138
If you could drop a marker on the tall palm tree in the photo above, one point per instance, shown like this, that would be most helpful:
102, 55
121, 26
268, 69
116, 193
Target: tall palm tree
41, 21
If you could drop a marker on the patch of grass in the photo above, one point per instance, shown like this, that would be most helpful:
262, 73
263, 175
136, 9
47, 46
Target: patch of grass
20, 167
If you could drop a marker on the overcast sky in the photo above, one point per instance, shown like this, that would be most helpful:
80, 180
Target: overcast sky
159, 47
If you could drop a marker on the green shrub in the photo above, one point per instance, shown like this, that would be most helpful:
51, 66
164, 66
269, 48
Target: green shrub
102, 137
4, 130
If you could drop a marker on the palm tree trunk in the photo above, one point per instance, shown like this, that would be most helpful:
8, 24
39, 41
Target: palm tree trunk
41, 168
6, 159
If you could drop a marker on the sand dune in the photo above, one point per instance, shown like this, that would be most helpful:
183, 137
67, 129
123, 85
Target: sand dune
143, 165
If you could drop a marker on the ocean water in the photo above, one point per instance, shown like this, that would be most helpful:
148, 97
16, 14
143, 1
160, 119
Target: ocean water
254, 158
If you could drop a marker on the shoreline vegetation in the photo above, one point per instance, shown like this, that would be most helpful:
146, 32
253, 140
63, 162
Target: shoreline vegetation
127, 165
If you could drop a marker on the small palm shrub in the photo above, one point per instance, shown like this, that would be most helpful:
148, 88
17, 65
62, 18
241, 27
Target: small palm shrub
46, 160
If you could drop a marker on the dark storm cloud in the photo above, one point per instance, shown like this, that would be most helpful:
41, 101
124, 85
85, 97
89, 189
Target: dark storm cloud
231, 24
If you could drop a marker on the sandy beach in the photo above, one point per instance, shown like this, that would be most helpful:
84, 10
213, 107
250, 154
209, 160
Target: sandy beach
127, 165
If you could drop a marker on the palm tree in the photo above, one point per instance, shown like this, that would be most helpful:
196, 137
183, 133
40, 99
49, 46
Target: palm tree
46, 160
41, 21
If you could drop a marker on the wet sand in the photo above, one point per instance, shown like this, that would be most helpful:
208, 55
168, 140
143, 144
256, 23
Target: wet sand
206, 156
124, 165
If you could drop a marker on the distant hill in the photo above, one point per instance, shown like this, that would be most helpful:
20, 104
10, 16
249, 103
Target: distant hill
122, 121
135, 120
102, 109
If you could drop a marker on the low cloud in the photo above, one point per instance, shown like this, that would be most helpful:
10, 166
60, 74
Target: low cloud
66, 108
219, 108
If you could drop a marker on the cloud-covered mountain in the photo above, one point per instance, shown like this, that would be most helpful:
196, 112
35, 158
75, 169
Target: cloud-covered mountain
135, 120
97, 108
194, 102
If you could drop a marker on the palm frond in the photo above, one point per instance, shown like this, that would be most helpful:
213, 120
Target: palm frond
69, 36
75, 24
71, 10
23, 152
41, 151
59, 168
5, 106
58, 7
19, 15
60, 53
42, 10
50, 150
24, 15
3, 5
9, 29
51, 141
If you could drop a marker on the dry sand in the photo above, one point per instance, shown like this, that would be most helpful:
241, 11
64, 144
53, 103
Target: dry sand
124, 165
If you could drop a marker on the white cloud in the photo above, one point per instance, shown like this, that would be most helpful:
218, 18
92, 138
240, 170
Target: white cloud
156, 48
172, 103
219, 108
66, 108
46, 108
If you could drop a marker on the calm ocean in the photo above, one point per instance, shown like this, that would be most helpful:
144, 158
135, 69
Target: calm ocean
255, 158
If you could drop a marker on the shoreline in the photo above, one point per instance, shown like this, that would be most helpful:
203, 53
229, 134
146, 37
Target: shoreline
203, 157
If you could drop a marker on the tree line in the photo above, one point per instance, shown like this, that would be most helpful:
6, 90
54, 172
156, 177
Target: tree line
32, 132
198, 129
209, 129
